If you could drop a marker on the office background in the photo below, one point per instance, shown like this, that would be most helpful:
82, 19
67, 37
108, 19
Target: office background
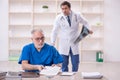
111, 30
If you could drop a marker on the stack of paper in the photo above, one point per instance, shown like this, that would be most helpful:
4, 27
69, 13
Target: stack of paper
67, 73
91, 75
50, 71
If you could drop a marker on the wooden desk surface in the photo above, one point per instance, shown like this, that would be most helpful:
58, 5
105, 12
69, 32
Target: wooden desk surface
110, 70
76, 76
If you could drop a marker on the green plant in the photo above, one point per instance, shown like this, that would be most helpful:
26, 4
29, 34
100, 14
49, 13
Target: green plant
44, 6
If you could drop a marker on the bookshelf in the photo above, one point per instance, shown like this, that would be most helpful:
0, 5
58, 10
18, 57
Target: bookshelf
24, 15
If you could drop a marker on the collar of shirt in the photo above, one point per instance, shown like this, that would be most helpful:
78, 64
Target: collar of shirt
34, 48
70, 15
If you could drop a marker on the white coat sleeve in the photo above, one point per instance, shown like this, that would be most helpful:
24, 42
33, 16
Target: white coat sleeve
55, 31
83, 20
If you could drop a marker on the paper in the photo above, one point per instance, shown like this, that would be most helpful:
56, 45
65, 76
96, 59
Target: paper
50, 71
67, 73
91, 75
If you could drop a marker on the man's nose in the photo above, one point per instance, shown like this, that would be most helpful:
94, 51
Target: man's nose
40, 40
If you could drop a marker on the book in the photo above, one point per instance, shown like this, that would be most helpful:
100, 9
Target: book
50, 71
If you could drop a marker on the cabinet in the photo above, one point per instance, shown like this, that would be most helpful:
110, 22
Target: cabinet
24, 15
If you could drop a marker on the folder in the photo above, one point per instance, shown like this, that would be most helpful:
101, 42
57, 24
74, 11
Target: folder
22, 75
30, 75
84, 32
91, 75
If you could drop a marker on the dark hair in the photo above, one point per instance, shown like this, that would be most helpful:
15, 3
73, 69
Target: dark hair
65, 3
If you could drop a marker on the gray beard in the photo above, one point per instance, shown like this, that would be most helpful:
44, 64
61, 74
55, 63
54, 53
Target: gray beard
40, 46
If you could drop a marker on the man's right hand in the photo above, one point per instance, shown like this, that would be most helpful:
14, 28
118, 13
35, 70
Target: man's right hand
39, 67
27, 66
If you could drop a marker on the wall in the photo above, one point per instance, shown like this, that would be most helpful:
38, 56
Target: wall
112, 30
3, 30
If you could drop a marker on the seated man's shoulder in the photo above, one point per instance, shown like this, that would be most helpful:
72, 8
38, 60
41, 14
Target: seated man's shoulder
49, 46
28, 45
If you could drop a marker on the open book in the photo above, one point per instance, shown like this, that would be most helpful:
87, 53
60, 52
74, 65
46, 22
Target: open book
50, 71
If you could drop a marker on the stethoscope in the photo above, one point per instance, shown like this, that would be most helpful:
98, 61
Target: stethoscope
63, 19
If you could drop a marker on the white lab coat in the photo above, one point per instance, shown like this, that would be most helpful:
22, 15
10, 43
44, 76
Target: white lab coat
67, 34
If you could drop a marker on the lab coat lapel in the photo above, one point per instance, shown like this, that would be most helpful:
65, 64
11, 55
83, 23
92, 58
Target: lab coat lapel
66, 22
74, 18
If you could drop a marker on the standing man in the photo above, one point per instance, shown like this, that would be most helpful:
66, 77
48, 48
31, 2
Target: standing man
67, 24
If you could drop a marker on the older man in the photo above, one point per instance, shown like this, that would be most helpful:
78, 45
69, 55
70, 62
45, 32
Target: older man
38, 54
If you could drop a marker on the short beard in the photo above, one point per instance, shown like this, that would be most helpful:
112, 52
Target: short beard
40, 46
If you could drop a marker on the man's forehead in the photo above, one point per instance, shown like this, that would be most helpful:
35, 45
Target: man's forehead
37, 33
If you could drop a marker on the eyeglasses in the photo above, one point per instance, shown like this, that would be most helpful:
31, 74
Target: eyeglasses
39, 38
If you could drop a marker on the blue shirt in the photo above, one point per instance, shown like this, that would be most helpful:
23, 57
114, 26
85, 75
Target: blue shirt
47, 56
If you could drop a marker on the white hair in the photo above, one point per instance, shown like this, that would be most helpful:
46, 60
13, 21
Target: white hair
37, 30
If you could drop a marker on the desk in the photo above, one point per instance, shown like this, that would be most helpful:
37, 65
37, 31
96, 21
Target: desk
110, 70
76, 76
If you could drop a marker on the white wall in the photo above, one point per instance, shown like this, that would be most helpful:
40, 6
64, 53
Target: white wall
112, 30
3, 30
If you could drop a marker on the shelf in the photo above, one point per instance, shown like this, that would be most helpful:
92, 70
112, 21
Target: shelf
20, 37
46, 12
15, 49
42, 24
91, 50
38, 4
19, 24
20, 5
93, 38
92, 13
90, 7
25, 15
16, 19
18, 43
41, 20
87, 57
97, 26
19, 12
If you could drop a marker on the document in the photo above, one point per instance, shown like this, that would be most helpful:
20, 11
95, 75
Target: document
83, 34
67, 73
91, 75
50, 71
